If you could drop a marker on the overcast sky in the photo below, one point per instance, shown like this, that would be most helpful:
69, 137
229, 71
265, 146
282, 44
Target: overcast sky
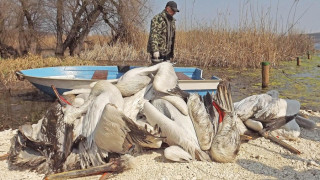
303, 14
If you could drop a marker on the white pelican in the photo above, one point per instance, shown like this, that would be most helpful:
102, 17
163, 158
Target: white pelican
259, 111
201, 121
174, 132
226, 142
116, 133
133, 105
72, 113
177, 154
135, 79
176, 101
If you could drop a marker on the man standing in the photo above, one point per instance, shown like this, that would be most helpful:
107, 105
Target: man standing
162, 34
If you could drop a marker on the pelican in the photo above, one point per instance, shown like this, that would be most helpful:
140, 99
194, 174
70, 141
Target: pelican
116, 133
226, 142
133, 105
259, 111
177, 154
176, 101
201, 121
135, 79
165, 78
174, 132
71, 113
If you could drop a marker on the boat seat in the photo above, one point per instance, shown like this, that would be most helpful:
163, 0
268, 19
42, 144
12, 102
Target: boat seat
182, 76
100, 74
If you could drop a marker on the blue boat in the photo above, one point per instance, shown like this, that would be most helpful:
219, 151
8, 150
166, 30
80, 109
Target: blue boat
66, 78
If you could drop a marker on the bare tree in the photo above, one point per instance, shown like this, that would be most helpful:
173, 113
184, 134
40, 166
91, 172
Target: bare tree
70, 20
59, 47
125, 18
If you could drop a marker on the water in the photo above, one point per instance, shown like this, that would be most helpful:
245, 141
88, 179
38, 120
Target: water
317, 46
23, 106
301, 83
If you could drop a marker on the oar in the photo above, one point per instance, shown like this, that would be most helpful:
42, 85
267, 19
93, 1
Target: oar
4, 157
267, 135
117, 165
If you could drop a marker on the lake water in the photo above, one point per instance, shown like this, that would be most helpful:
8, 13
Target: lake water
301, 83
317, 46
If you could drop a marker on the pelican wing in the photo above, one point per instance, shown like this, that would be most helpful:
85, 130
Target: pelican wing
111, 131
141, 135
165, 78
207, 99
177, 154
223, 96
173, 132
201, 121
277, 108
170, 111
226, 143
135, 79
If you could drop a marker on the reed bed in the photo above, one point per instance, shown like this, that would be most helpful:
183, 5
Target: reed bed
117, 53
243, 48
207, 47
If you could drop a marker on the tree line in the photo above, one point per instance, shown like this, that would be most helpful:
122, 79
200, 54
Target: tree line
24, 23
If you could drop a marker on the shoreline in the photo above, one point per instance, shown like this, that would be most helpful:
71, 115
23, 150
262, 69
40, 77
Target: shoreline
258, 159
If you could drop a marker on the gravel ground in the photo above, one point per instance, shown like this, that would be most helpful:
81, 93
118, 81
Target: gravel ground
257, 159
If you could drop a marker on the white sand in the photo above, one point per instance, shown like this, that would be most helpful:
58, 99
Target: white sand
257, 159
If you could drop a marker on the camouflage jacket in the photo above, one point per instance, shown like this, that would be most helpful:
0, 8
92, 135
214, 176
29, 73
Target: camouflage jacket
162, 34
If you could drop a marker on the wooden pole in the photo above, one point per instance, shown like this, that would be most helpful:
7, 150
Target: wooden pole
265, 74
298, 61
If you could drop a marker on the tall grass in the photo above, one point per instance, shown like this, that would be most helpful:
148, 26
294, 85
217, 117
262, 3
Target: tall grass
8, 67
213, 47
242, 48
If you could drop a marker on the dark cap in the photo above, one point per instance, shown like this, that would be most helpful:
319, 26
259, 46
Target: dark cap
173, 6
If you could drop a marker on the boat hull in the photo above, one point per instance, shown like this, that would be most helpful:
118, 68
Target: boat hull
77, 77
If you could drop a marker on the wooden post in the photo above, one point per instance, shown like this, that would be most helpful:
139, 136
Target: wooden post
298, 61
265, 74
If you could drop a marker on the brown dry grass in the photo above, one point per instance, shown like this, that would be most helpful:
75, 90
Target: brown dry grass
8, 67
210, 47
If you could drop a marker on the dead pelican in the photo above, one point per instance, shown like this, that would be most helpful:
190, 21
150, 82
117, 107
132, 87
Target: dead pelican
266, 108
177, 154
174, 133
226, 143
116, 133
135, 79
72, 113
201, 121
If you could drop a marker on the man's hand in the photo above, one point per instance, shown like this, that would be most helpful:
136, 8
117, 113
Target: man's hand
156, 55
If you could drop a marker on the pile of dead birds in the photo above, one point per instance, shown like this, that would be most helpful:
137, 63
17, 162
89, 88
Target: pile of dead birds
101, 126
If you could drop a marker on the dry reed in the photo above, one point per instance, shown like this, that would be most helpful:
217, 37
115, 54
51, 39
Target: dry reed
243, 48
8, 67
209, 47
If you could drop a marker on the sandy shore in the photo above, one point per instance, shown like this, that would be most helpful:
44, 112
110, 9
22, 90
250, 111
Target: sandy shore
257, 159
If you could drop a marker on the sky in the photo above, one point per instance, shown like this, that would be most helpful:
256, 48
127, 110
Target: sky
303, 15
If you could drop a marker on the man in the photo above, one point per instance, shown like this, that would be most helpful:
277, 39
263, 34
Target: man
162, 34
